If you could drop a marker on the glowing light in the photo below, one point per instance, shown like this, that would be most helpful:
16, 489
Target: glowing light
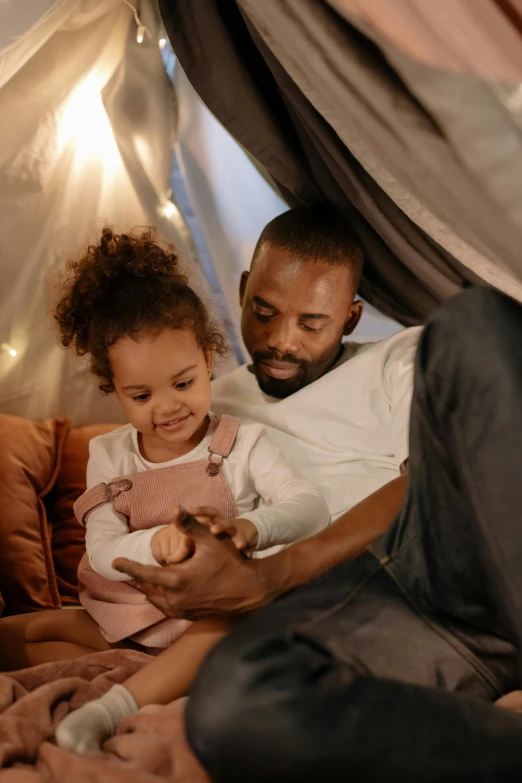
8, 349
162, 43
140, 33
84, 125
168, 209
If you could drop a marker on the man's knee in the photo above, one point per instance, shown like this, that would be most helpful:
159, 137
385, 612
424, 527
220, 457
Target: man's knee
468, 331
247, 699
462, 319
226, 698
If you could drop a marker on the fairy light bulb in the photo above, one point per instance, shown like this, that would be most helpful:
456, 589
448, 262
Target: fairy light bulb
140, 33
8, 349
168, 209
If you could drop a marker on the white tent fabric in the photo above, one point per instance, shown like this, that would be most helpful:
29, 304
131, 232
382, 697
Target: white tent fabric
87, 136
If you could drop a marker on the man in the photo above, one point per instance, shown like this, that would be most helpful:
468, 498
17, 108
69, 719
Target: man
330, 680
339, 411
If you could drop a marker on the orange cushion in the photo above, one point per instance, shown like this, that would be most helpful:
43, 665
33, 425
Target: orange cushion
68, 536
29, 459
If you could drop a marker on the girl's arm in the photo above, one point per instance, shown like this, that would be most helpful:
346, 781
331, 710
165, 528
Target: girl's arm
107, 533
107, 537
292, 507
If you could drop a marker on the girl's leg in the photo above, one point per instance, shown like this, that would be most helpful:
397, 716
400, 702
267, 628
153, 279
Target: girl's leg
171, 674
165, 679
50, 635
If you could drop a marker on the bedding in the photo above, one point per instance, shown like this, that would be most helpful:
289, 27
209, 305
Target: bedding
149, 746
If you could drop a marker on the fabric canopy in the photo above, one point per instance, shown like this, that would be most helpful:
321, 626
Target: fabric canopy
383, 116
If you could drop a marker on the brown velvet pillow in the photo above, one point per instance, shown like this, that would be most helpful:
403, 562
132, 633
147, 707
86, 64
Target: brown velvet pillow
30, 454
68, 536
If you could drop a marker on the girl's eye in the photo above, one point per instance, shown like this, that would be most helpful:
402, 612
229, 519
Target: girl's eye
184, 384
141, 397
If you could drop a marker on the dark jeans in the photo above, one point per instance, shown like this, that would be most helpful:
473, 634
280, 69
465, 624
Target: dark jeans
384, 668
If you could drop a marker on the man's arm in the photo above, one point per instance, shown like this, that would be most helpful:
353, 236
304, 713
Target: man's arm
347, 537
217, 580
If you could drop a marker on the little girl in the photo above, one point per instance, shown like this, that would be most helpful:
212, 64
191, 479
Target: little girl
150, 341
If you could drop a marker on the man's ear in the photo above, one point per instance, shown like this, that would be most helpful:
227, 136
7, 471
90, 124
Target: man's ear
354, 316
242, 287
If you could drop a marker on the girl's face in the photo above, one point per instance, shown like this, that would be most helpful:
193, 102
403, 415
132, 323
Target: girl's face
162, 381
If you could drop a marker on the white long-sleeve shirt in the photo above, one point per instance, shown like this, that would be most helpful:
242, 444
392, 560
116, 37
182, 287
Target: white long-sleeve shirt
268, 489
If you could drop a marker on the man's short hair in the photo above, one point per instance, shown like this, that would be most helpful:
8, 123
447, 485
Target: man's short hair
314, 234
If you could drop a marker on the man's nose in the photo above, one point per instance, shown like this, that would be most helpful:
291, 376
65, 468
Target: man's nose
283, 337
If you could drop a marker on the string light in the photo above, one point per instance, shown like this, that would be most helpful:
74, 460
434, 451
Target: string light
142, 29
8, 349
168, 209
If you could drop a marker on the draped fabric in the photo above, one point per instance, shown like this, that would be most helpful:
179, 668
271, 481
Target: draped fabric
87, 136
385, 117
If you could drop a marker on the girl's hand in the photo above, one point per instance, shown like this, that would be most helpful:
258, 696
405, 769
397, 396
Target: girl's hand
242, 532
169, 545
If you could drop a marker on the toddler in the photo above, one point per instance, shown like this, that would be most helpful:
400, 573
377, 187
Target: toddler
152, 343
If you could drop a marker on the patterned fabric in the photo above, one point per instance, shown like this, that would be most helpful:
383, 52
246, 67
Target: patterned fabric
147, 499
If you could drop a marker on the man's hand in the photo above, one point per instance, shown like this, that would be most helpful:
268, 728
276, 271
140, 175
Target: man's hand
170, 545
219, 581
216, 581
242, 532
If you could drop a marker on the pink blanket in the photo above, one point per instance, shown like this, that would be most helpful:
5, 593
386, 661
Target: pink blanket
150, 747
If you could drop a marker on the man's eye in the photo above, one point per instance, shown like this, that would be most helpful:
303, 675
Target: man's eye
184, 384
263, 317
309, 328
141, 397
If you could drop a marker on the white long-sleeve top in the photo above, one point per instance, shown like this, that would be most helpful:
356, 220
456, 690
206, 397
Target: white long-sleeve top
268, 489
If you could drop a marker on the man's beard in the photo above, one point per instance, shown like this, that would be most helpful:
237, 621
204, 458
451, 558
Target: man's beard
279, 387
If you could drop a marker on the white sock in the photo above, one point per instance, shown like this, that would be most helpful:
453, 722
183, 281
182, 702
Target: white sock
86, 729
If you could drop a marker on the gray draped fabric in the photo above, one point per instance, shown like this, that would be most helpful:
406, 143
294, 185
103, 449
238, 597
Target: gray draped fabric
311, 95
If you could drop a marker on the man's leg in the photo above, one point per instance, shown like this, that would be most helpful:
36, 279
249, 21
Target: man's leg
465, 498
272, 704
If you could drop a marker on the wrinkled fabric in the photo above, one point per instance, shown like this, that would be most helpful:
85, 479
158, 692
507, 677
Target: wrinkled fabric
449, 33
149, 747
333, 117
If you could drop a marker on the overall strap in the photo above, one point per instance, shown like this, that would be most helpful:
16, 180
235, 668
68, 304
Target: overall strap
93, 498
222, 442
99, 495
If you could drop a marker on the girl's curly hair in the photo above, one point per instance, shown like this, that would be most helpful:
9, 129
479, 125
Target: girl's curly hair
125, 286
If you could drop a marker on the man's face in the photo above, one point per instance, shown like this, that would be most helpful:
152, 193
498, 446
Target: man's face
294, 315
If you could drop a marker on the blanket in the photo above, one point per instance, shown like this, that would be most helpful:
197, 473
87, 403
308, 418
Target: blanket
150, 747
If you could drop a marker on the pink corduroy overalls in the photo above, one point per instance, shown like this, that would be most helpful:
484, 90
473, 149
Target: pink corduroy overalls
147, 499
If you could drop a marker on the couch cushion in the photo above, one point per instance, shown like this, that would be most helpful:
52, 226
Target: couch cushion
67, 535
30, 455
